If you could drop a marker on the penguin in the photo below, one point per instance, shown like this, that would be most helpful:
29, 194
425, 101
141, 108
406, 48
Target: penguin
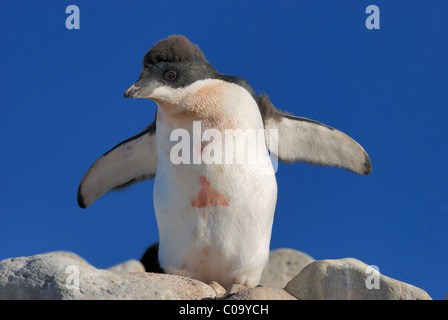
214, 219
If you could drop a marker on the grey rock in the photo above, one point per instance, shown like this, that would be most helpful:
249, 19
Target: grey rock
262, 293
54, 276
71, 255
349, 279
185, 288
66, 276
283, 265
219, 289
128, 266
234, 288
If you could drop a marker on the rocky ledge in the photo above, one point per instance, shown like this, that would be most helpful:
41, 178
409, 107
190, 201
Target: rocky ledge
289, 275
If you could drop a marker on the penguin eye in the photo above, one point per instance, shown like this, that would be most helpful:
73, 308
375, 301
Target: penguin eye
170, 75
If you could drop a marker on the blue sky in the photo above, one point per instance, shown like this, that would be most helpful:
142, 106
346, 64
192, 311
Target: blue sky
62, 107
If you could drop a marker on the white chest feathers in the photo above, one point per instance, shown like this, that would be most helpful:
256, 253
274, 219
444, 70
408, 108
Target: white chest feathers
214, 217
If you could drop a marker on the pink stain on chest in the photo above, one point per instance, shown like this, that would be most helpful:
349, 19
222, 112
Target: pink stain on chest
207, 197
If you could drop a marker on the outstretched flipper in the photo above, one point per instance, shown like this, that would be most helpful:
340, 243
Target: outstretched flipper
131, 161
304, 140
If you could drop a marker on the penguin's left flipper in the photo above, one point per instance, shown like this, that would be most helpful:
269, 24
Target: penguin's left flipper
305, 140
131, 161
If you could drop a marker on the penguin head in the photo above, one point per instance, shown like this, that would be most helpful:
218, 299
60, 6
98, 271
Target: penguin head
171, 65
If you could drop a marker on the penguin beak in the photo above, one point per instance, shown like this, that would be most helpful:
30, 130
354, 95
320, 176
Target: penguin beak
143, 87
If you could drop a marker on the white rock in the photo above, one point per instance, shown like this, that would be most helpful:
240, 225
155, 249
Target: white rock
66, 276
185, 288
128, 266
283, 265
219, 289
55, 276
262, 293
349, 279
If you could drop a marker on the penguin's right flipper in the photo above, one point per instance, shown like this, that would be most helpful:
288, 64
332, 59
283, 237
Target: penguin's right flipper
131, 161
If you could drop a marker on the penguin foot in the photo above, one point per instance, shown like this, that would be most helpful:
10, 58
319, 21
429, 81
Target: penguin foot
248, 278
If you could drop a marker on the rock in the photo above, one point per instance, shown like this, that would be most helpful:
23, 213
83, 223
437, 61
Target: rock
109, 285
56, 276
185, 288
219, 289
66, 276
262, 293
69, 254
283, 265
349, 279
128, 266
234, 288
